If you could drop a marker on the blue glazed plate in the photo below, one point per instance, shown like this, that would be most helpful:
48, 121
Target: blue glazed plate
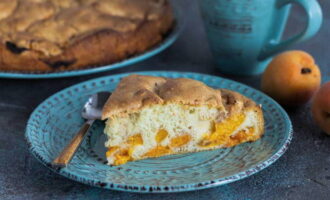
169, 40
54, 122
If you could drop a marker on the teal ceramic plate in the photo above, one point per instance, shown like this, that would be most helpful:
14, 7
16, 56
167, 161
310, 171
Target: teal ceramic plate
170, 38
55, 121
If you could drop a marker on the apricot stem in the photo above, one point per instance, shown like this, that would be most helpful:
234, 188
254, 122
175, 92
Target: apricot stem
306, 70
326, 114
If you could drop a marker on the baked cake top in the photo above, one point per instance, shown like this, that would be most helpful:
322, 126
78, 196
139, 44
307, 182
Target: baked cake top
136, 91
48, 26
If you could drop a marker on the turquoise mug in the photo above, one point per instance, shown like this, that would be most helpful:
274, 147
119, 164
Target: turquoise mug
245, 34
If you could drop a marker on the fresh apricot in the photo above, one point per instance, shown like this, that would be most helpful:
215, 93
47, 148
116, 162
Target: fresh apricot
321, 107
291, 78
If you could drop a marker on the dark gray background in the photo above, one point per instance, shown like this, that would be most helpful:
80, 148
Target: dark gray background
302, 173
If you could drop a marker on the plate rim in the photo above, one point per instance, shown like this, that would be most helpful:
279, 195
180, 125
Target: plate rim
168, 41
177, 188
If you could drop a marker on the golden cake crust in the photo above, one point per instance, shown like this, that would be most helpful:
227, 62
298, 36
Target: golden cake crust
134, 92
234, 102
52, 35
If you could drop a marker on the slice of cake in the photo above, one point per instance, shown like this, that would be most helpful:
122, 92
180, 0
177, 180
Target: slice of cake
154, 116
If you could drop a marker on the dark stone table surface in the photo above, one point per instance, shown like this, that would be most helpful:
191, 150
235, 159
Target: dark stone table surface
302, 173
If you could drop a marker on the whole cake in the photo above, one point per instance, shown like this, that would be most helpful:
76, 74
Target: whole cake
54, 35
154, 116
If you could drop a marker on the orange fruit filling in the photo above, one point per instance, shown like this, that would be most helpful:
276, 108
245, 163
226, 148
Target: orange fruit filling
180, 140
222, 131
221, 134
161, 135
242, 136
158, 151
122, 157
135, 140
111, 150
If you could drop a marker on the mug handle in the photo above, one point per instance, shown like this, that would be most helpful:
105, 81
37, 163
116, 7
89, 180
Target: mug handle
314, 14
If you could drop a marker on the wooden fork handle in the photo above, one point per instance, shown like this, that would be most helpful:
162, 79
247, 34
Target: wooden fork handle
66, 155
